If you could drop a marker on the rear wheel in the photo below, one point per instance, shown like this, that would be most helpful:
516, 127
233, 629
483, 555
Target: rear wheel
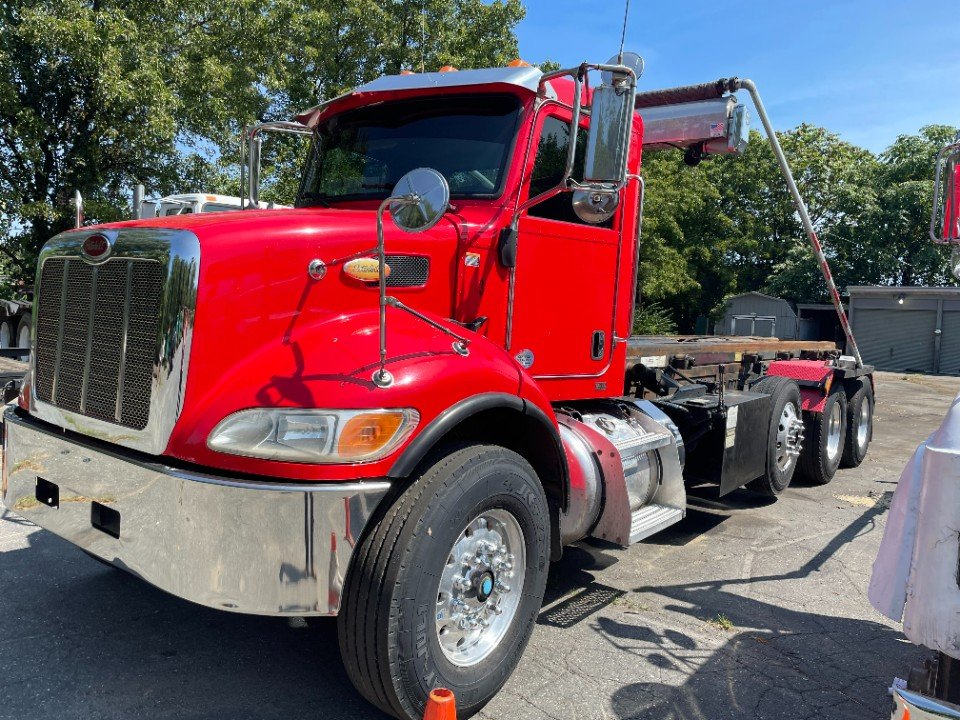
445, 589
859, 422
825, 433
785, 434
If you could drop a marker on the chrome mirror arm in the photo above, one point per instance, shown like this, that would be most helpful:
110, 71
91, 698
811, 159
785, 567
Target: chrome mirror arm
382, 377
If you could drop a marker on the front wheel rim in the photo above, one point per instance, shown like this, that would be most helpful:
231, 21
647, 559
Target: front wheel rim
480, 587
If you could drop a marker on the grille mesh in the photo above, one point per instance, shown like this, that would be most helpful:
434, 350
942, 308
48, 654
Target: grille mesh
84, 313
407, 270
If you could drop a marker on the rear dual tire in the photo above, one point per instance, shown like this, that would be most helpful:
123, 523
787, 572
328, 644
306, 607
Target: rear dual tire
859, 422
784, 412
825, 437
395, 620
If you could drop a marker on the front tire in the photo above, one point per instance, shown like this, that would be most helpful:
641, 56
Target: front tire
481, 501
825, 435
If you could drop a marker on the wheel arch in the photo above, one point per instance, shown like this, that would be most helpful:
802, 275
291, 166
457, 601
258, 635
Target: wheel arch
498, 419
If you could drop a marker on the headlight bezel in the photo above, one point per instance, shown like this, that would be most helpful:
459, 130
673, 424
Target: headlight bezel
271, 446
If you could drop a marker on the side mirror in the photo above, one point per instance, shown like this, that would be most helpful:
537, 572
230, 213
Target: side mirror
611, 120
254, 144
945, 220
419, 200
250, 147
611, 117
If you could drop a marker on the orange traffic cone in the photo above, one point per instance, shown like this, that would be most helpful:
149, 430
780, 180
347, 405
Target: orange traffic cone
441, 705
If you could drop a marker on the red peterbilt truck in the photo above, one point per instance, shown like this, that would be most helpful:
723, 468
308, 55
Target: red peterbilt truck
399, 400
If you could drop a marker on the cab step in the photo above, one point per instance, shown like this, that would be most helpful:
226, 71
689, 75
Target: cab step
652, 519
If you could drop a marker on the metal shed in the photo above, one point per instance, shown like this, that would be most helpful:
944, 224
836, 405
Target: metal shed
759, 315
907, 329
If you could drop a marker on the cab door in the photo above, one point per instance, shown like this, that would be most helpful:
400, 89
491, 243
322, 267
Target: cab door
562, 314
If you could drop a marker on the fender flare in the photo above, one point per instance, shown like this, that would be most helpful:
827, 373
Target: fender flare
443, 424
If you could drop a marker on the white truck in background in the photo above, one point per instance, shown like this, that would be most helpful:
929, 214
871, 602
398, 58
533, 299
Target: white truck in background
187, 203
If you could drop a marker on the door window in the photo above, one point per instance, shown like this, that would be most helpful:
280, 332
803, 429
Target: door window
548, 170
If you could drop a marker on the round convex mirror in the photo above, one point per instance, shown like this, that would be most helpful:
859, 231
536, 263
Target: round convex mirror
630, 60
433, 197
594, 206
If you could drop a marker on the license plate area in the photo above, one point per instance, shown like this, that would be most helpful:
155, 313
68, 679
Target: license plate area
105, 519
47, 493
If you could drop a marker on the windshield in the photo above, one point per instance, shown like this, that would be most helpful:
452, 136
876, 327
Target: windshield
364, 152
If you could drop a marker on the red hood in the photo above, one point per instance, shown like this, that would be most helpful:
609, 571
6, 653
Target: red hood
320, 223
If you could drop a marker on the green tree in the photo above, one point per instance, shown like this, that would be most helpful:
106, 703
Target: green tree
771, 251
685, 238
895, 248
96, 95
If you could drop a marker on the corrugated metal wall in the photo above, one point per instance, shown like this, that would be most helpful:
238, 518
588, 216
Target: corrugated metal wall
785, 323
950, 338
899, 341
921, 334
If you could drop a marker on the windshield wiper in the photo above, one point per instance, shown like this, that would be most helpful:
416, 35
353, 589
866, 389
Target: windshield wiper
319, 197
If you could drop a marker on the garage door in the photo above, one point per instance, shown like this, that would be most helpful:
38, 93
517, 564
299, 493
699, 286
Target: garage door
896, 339
950, 343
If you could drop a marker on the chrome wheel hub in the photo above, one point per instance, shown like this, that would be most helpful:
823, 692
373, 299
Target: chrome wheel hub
834, 426
789, 437
480, 586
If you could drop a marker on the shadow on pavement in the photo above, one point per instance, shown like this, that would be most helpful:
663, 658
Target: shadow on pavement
80, 640
791, 663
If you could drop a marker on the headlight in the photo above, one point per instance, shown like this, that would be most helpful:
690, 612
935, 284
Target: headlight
313, 436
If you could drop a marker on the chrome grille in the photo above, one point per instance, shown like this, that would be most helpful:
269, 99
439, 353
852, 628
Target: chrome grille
97, 335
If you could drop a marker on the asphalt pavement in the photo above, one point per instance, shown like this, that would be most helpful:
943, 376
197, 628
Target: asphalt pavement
746, 609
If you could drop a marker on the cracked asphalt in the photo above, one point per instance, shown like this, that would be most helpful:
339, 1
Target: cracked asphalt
746, 609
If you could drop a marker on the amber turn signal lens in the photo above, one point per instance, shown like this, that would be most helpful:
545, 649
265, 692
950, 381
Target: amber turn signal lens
367, 433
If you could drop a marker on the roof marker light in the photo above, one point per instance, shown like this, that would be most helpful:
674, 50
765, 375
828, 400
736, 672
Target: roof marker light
448, 68
518, 63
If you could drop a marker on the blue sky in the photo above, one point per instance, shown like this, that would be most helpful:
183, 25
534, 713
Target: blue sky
867, 70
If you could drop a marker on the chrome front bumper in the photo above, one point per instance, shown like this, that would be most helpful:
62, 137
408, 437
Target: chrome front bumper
246, 546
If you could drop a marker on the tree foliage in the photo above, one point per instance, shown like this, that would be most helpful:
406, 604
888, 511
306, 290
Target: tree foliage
96, 95
729, 225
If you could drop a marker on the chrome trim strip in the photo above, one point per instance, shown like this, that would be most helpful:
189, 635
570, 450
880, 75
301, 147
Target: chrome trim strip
33, 335
127, 290
179, 252
94, 275
245, 546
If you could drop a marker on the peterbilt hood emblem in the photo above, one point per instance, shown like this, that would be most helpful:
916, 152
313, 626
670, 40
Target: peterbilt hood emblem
96, 248
366, 269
